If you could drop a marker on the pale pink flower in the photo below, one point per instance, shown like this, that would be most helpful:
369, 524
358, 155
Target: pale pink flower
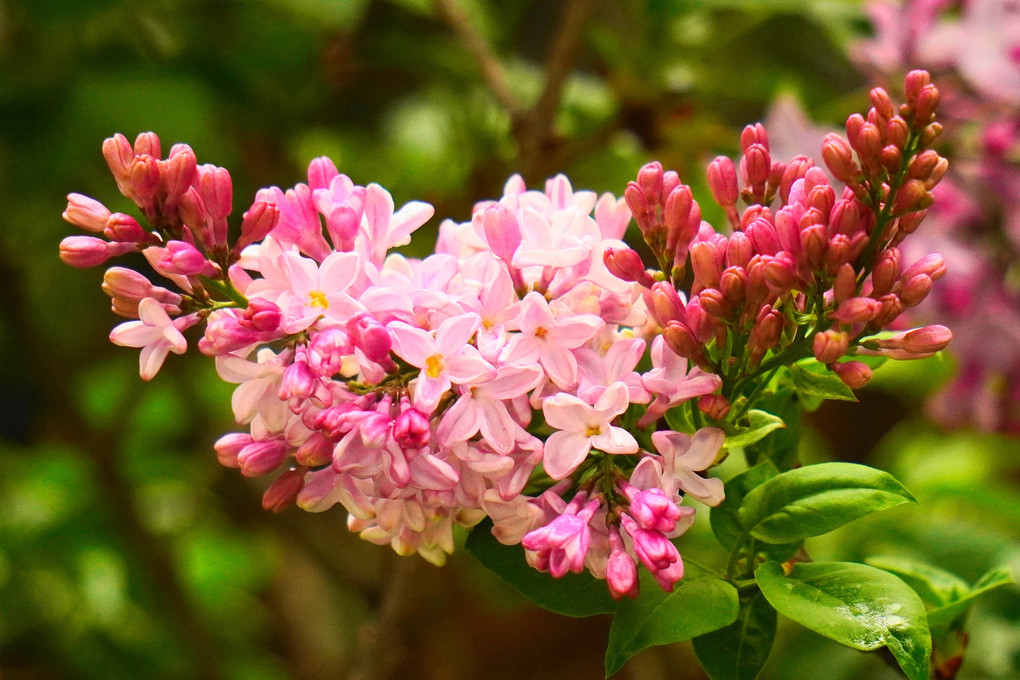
562, 545
156, 333
445, 359
481, 408
582, 427
547, 340
681, 457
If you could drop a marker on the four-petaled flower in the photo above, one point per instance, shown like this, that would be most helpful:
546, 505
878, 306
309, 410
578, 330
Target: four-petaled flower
582, 427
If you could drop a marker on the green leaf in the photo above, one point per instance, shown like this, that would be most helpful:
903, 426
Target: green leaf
942, 619
815, 499
781, 446
724, 518
738, 651
573, 595
935, 586
760, 424
819, 383
695, 607
856, 605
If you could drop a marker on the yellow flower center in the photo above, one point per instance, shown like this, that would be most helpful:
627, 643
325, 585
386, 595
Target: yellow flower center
540, 332
434, 365
318, 299
594, 431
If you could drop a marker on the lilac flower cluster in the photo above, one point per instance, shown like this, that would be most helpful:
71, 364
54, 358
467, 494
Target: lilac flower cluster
973, 47
522, 372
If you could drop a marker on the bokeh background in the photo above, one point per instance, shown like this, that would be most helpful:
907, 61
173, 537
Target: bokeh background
127, 552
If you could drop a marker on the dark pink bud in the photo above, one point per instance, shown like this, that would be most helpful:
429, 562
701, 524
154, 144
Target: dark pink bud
897, 131
89, 251
714, 406
679, 227
316, 451
261, 315
653, 510
86, 213
886, 272
845, 217
411, 429
757, 164
882, 103
121, 227
666, 304
681, 340
814, 241
229, 446
931, 133
920, 341
181, 169
626, 264
321, 172
144, 177
262, 457
372, 338
739, 250
911, 196
754, 134
639, 206
933, 265
845, 285
502, 232
705, 263
857, 310
780, 270
649, 178
714, 303
216, 189
119, 156
854, 374
915, 290
732, 285
180, 257
284, 490
937, 173
795, 170
822, 198
621, 575
147, 143
828, 346
891, 308
922, 165
837, 253
788, 232
722, 181
927, 102
764, 237
766, 331
258, 221
299, 382
907, 224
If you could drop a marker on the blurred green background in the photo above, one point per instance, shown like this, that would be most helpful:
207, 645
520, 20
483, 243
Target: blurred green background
127, 552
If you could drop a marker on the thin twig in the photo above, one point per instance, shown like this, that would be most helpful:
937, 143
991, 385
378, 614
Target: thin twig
478, 46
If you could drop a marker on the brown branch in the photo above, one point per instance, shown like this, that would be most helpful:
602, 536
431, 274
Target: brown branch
379, 649
478, 46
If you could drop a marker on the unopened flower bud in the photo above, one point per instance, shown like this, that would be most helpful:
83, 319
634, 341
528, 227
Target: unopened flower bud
934, 265
714, 406
922, 165
739, 250
147, 143
845, 284
321, 172
86, 213
927, 102
283, 491
89, 251
372, 338
890, 309
229, 446
181, 169
144, 177
882, 103
680, 229
857, 310
890, 157
915, 290
920, 341
681, 340
828, 346
258, 221
886, 272
764, 237
502, 232
121, 227
897, 131
732, 285
845, 217
262, 457
913, 84
119, 156
180, 257
839, 158
937, 173
316, 451
722, 181
757, 164
626, 264
261, 315
715, 303
621, 575
911, 196
854, 374
705, 263
794, 170
639, 206
411, 429
666, 304
814, 241
780, 270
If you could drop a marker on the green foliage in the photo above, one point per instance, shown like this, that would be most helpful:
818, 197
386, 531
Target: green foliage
816, 499
856, 605
573, 595
695, 607
739, 651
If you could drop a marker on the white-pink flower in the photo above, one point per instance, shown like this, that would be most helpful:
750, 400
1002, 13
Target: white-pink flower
444, 360
583, 427
681, 458
156, 333
482, 408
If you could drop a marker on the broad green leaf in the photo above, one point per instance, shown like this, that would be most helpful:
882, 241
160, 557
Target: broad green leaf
573, 595
856, 605
695, 607
815, 499
724, 518
781, 446
738, 651
819, 383
935, 586
760, 424
679, 419
942, 618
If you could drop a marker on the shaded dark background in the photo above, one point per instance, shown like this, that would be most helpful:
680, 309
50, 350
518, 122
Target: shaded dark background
126, 551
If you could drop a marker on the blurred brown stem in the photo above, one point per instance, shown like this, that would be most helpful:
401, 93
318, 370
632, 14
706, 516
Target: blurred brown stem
379, 640
532, 127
